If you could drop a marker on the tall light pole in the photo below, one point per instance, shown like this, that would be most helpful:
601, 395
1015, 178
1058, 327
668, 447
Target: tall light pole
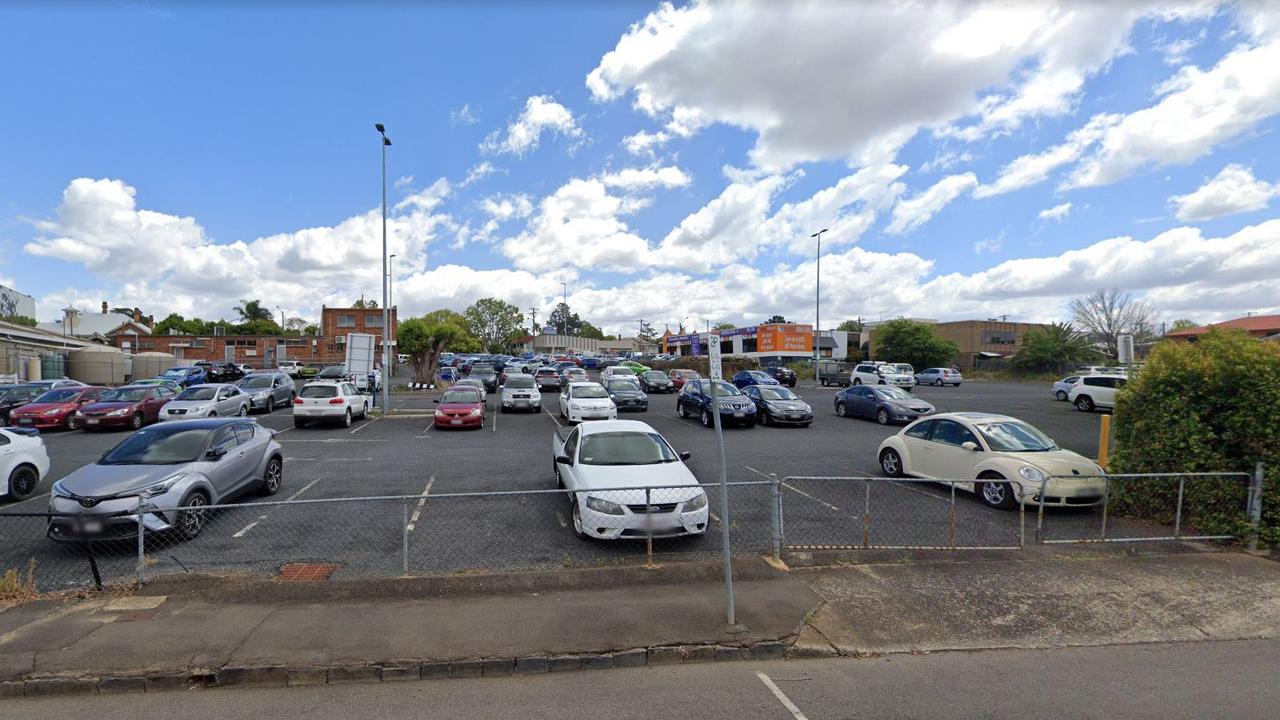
564, 319
281, 316
391, 299
817, 306
386, 311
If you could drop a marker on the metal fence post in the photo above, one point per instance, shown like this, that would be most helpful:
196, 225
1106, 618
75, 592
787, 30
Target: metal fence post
1044, 485
866, 514
775, 518
1255, 505
404, 540
1106, 503
142, 562
1177, 513
648, 528
951, 519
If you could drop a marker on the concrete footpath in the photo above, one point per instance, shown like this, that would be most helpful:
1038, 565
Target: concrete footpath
192, 632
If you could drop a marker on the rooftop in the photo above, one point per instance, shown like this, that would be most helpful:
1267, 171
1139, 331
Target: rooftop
1253, 323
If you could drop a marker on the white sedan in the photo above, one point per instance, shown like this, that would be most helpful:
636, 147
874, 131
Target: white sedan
23, 461
586, 401
1007, 458
626, 481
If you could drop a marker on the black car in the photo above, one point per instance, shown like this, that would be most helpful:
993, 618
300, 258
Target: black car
607, 363
333, 372
694, 400
777, 405
16, 397
883, 403
655, 381
486, 373
223, 372
784, 375
627, 395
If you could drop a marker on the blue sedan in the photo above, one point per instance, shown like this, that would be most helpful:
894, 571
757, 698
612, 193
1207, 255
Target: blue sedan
747, 378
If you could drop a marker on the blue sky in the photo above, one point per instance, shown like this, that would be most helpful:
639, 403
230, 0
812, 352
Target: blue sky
666, 162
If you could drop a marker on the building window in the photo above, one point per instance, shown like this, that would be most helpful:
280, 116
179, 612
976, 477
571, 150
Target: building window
293, 342
146, 345
331, 348
1000, 338
346, 321
749, 345
373, 321
242, 342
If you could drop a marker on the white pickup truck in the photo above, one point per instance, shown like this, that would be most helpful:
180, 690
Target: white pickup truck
626, 481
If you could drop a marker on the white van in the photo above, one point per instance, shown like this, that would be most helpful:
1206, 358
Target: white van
1096, 391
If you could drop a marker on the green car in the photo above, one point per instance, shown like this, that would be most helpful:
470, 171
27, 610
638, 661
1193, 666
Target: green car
635, 366
308, 371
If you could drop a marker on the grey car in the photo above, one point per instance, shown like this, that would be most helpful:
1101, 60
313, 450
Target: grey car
268, 390
777, 405
627, 395
175, 470
206, 400
883, 403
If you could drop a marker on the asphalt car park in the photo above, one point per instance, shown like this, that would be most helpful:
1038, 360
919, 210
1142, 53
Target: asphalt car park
449, 528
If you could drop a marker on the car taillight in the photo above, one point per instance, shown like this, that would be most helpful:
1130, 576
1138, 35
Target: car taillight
336, 401
297, 401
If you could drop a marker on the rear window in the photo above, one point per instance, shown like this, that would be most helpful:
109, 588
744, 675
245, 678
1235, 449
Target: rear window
319, 391
621, 371
548, 372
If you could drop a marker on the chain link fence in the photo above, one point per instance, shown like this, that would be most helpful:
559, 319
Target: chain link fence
458, 533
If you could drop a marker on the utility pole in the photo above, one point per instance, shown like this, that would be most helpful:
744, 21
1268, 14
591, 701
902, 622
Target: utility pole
533, 319
564, 302
386, 312
817, 306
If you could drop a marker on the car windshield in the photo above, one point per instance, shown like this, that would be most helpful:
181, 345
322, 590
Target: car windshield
482, 369
260, 381
904, 368
159, 445
759, 374
724, 388
589, 391
123, 395
777, 393
893, 393
620, 385
1011, 436
332, 371
687, 374
654, 375
57, 396
625, 448
197, 393
23, 393
319, 391
519, 382
546, 372
460, 396
174, 373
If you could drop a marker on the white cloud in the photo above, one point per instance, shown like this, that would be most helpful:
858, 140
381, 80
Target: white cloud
946, 161
1057, 212
464, 115
478, 172
631, 179
578, 226
1233, 190
911, 213
886, 69
645, 143
403, 181
989, 245
541, 114
1034, 168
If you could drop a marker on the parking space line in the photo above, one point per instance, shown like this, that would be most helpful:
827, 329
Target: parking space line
33, 497
250, 526
495, 421
796, 490
553, 417
417, 512
285, 430
782, 697
367, 424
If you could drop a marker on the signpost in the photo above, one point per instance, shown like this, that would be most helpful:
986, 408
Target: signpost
715, 374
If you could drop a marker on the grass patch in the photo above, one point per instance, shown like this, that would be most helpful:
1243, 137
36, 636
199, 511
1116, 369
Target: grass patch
14, 588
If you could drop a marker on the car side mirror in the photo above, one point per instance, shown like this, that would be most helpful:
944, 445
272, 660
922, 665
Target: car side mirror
970, 446
564, 460
215, 453
685, 455
436, 401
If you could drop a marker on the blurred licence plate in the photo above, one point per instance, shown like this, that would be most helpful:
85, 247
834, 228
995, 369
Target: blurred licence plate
455, 422
24, 421
91, 527
91, 421
739, 414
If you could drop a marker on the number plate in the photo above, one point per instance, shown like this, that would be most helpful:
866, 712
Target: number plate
24, 421
91, 527
455, 422
739, 414
91, 421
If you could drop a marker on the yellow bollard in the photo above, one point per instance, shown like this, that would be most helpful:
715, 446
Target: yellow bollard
1104, 440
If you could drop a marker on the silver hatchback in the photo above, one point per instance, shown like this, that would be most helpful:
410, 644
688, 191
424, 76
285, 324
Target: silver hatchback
207, 400
173, 471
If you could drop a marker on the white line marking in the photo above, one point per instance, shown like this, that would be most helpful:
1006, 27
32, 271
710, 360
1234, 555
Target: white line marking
795, 490
304, 489
495, 421
285, 430
553, 417
910, 486
366, 424
250, 526
782, 697
245, 529
417, 512
33, 497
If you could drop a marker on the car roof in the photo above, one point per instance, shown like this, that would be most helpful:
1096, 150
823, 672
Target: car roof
1118, 376
974, 417
211, 385
602, 426
206, 423
584, 383
326, 382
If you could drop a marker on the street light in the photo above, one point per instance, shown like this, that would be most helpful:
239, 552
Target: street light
386, 291
281, 316
817, 305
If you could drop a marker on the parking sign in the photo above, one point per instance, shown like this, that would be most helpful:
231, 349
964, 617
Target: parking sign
713, 355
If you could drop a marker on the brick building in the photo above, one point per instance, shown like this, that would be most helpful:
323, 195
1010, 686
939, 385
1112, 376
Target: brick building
981, 343
329, 347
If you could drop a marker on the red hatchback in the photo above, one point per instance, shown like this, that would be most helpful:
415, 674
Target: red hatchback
56, 408
131, 406
460, 407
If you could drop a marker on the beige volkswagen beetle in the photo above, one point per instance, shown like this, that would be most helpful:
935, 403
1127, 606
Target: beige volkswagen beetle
1009, 460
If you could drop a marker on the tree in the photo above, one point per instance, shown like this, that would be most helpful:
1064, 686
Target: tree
257, 327
1056, 347
776, 319
591, 331
726, 325
564, 321
850, 326
19, 320
1182, 324
250, 310
365, 304
913, 342
1108, 314
181, 326
295, 325
424, 339
311, 330
495, 323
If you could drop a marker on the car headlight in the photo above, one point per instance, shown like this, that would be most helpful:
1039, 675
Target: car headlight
1031, 473
59, 490
696, 503
477, 411
261, 396
163, 486
603, 506
440, 413
54, 411
118, 413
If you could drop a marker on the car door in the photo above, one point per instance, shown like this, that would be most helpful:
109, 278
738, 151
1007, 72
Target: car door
916, 440
152, 403
753, 394
225, 471
946, 459
571, 474
223, 403
862, 402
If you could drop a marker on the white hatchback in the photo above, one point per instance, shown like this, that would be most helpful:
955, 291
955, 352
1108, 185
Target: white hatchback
586, 401
329, 401
1096, 391
23, 461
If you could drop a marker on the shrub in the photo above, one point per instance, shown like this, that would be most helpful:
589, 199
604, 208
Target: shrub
1208, 406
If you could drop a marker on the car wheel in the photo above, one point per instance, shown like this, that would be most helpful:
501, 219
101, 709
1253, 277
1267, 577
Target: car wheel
299, 423
135, 422
938, 382
191, 516
997, 494
577, 520
273, 478
882, 416
22, 482
346, 418
71, 422
244, 410
842, 410
1084, 403
857, 381
891, 462
269, 405
706, 420
680, 411
764, 418
1061, 395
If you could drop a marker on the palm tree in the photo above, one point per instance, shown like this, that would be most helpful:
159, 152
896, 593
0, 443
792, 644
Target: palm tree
1054, 347
250, 310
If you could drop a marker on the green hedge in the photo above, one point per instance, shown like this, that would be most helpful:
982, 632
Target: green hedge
1208, 406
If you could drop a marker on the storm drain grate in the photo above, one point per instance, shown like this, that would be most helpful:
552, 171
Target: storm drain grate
306, 572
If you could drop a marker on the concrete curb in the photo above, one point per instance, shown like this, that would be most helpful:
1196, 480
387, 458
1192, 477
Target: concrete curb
276, 675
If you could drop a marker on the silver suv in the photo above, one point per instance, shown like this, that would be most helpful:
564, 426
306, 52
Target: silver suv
520, 392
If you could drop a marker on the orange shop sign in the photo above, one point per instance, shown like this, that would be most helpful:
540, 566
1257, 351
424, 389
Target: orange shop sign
784, 338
